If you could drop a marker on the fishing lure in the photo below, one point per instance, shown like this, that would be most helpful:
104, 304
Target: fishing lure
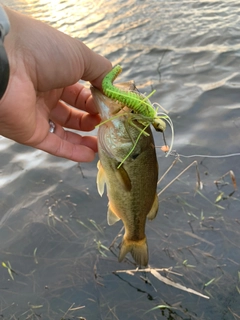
143, 111
138, 103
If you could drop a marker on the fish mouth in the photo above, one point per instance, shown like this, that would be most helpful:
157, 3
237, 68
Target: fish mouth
106, 107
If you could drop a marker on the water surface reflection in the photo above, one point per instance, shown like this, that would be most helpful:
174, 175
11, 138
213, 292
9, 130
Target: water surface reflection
53, 228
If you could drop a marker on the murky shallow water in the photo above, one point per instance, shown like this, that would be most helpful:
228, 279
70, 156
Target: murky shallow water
52, 221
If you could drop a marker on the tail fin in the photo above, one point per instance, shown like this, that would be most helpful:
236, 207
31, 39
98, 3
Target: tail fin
138, 250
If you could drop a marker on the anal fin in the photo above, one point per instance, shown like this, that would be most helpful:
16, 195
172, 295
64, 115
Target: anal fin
153, 212
111, 216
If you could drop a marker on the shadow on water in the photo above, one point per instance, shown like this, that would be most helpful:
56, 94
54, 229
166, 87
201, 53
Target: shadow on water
54, 237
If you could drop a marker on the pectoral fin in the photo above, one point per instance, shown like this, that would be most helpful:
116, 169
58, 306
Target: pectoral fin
123, 178
153, 212
101, 180
111, 216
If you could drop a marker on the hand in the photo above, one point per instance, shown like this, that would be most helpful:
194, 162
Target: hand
45, 67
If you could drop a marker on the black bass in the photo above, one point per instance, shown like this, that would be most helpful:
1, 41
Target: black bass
131, 188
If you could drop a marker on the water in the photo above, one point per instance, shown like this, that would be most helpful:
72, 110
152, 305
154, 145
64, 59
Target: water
52, 220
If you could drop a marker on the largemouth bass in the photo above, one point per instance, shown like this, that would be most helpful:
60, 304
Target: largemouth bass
131, 188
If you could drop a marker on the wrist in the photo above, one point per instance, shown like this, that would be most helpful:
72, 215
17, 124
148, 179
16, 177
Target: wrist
4, 64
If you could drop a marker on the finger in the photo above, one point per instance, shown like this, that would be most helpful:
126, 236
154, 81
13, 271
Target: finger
65, 148
72, 118
95, 66
75, 138
79, 97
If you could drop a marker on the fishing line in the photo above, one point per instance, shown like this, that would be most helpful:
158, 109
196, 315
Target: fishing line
174, 153
209, 156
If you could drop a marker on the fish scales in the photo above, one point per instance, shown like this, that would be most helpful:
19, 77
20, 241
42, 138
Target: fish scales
131, 188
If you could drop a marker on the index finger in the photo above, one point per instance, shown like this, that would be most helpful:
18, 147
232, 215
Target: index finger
95, 66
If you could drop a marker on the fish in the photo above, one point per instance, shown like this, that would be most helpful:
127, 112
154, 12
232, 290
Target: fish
131, 184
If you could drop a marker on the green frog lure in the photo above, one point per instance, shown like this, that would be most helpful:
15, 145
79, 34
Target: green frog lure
144, 111
138, 103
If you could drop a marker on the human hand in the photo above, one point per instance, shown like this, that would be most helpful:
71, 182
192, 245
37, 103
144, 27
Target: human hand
45, 66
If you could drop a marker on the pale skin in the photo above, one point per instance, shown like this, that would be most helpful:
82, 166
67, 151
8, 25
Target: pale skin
45, 67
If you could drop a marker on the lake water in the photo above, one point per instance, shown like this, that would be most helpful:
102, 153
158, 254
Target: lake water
53, 228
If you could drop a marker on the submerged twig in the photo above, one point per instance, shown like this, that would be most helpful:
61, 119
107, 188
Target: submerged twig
165, 280
232, 176
199, 183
